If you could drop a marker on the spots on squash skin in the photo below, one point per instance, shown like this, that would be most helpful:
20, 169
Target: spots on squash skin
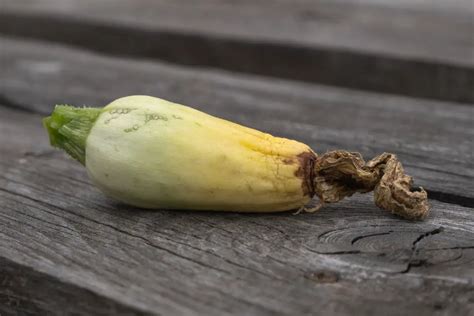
151, 117
121, 111
133, 128
116, 113
155, 117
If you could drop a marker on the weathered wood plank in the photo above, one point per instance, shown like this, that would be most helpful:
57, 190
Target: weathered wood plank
433, 139
350, 257
25, 291
410, 48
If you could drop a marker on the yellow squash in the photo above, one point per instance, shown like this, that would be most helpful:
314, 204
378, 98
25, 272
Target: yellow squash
152, 153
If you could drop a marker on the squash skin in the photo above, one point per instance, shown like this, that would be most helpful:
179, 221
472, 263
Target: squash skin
151, 153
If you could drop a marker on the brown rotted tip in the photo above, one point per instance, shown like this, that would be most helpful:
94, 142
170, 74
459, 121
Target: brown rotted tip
340, 173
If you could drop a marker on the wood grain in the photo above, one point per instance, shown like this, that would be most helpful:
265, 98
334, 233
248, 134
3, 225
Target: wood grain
410, 48
434, 140
25, 291
347, 257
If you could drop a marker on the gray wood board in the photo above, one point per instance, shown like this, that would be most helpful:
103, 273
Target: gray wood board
26, 291
412, 48
56, 229
433, 139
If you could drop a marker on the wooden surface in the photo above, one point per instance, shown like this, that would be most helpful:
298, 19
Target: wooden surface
67, 249
418, 48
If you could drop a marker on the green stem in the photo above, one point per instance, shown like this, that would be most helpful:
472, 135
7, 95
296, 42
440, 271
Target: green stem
68, 128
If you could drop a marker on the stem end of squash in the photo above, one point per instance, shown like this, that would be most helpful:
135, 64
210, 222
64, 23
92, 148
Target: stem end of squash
68, 128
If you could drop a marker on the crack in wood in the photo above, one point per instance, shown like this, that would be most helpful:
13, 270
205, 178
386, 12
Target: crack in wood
449, 248
342, 252
356, 239
450, 198
424, 235
415, 250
